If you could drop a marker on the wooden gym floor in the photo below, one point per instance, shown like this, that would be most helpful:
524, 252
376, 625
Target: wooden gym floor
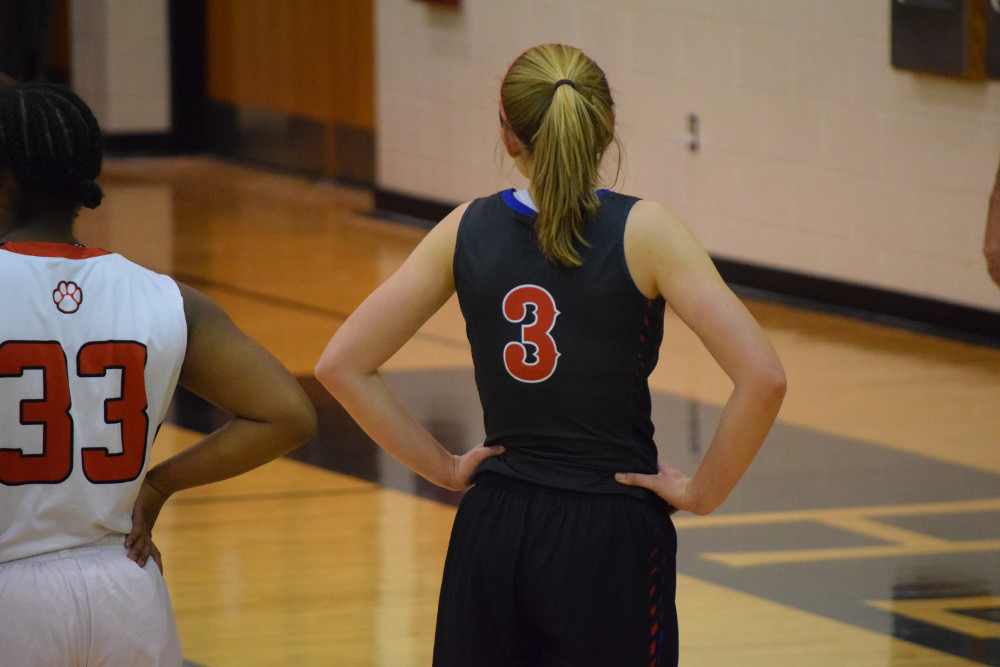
867, 533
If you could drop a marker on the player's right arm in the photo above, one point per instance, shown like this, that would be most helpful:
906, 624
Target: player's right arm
381, 325
271, 413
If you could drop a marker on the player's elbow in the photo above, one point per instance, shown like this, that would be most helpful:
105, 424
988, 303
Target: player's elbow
294, 417
766, 382
329, 373
771, 392
336, 372
303, 423
774, 383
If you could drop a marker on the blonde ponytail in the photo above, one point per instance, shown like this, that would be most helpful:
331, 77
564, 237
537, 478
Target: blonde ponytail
557, 101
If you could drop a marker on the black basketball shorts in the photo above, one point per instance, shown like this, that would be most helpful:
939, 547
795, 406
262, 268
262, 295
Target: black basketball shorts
543, 576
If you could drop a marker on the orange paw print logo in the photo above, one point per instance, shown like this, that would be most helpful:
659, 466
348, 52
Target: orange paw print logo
67, 296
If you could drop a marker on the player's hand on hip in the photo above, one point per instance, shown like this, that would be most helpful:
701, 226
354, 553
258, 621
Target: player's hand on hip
466, 464
139, 541
668, 483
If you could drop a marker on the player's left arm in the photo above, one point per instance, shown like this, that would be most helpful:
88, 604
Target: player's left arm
666, 259
271, 414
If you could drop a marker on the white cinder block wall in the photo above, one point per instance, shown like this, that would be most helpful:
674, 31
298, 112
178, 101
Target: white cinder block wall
121, 63
816, 155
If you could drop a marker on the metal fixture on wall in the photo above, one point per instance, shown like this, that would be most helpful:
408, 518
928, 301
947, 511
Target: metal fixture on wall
946, 37
693, 133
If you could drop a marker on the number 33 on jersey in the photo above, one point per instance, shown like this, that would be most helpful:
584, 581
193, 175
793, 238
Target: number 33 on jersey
51, 411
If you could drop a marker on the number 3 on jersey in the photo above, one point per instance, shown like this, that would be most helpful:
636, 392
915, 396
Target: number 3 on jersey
534, 358
52, 412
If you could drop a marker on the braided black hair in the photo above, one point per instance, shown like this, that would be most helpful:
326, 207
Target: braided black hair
51, 142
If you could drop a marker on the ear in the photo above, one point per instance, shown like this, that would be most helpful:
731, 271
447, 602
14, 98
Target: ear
515, 147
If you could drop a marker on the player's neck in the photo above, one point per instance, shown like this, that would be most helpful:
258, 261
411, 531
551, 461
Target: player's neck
38, 232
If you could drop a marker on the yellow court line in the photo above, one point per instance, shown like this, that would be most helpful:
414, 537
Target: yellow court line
855, 520
862, 525
792, 516
758, 558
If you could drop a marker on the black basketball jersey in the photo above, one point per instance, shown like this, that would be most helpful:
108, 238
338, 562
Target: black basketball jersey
562, 354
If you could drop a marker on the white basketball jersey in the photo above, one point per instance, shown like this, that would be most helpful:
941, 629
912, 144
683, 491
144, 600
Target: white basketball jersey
91, 346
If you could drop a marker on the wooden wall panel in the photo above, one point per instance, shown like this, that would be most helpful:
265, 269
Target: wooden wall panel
306, 58
59, 42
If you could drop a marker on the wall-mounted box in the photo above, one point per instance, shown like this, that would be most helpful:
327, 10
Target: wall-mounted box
946, 37
993, 39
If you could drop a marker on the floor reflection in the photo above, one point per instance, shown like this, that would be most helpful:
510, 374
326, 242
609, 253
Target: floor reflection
886, 540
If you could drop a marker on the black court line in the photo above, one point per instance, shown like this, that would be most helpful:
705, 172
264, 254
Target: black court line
798, 470
269, 299
292, 304
284, 495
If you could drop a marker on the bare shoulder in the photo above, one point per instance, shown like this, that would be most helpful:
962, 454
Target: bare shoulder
438, 246
200, 310
656, 242
447, 228
652, 222
194, 301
